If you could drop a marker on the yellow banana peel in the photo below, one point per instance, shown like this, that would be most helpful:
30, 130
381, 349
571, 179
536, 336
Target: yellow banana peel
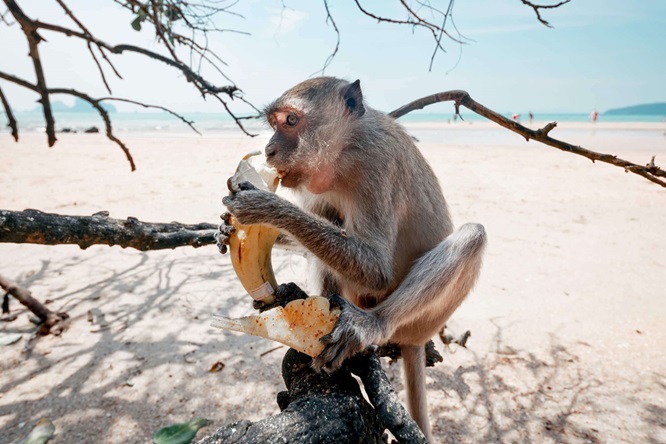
301, 323
250, 245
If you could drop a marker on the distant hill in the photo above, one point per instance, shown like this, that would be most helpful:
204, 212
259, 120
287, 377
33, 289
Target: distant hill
80, 106
650, 109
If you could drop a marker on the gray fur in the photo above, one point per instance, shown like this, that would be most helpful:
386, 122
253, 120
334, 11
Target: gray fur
382, 235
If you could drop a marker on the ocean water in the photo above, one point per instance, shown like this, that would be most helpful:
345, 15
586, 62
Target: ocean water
149, 123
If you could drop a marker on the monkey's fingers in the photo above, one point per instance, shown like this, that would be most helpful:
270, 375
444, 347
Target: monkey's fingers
222, 236
226, 217
246, 186
337, 301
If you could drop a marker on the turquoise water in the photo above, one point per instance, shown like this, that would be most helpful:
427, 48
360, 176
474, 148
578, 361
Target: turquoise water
216, 122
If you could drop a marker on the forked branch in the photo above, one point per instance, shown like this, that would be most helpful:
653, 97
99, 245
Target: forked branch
650, 171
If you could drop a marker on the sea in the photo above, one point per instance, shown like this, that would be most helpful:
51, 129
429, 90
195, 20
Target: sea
147, 123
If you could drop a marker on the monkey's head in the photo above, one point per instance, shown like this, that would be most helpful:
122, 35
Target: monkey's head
315, 123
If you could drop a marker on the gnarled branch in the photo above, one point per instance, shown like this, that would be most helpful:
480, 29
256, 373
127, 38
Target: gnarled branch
650, 171
36, 227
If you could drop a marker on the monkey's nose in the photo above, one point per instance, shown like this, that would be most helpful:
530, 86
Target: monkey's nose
271, 150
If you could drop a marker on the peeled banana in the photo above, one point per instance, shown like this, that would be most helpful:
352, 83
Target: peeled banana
250, 245
299, 324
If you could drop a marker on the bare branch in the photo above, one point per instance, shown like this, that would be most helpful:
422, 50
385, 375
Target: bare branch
331, 56
537, 7
449, 11
650, 171
49, 318
36, 227
102, 112
30, 31
71, 15
145, 105
11, 121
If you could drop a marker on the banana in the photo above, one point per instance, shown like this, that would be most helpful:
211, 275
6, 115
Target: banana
250, 245
299, 324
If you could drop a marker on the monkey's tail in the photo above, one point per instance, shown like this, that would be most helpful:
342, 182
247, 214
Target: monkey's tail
413, 357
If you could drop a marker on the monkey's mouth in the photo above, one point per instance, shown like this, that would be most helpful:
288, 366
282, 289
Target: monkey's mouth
288, 179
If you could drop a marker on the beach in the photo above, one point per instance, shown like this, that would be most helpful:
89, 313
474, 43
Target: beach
567, 319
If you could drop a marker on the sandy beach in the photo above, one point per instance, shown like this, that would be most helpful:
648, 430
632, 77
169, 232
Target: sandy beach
567, 321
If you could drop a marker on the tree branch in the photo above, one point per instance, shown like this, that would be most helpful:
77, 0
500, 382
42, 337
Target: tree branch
537, 7
30, 31
49, 318
102, 112
11, 121
36, 227
650, 171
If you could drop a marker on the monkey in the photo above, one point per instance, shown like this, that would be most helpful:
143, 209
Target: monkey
373, 217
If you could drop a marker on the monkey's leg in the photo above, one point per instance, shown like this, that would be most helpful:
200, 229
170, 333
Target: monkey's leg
434, 287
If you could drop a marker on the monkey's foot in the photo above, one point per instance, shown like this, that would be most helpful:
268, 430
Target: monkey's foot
353, 333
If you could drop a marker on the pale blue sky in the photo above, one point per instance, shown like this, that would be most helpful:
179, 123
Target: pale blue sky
601, 54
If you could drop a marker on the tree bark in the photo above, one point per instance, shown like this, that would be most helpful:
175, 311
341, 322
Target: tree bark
36, 227
323, 408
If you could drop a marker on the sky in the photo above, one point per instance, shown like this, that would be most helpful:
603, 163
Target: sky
600, 54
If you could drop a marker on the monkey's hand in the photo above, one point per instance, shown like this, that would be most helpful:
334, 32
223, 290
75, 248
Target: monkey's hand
355, 330
251, 205
223, 232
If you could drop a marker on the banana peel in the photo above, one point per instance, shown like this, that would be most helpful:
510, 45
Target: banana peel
250, 245
301, 323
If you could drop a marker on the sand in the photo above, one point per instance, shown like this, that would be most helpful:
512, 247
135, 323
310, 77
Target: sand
567, 320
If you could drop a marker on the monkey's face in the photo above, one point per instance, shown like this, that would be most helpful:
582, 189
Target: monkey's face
288, 123
314, 123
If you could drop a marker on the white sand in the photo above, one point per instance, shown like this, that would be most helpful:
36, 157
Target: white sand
567, 321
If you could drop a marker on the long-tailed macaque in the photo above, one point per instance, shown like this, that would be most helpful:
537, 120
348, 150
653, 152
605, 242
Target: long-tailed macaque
374, 219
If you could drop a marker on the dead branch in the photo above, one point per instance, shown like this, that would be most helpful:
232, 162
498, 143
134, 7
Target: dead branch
98, 107
537, 7
11, 121
650, 171
162, 15
48, 318
30, 31
36, 227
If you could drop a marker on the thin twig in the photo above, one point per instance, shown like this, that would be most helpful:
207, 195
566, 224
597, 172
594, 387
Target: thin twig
537, 7
11, 121
190, 123
331, 56
650, 171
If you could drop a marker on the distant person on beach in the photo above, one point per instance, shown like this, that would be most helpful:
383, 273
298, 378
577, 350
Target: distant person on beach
594, 115
515, 117
531, 116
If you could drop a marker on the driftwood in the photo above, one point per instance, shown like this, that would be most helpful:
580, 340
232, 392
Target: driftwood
323, 408
36, 227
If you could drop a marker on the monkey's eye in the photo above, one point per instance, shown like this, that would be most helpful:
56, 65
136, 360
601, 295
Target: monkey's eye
291, 119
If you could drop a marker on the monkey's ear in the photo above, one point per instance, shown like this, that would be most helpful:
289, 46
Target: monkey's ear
353, 98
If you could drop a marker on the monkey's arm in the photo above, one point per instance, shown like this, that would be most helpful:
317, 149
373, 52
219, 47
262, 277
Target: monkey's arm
363, 259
